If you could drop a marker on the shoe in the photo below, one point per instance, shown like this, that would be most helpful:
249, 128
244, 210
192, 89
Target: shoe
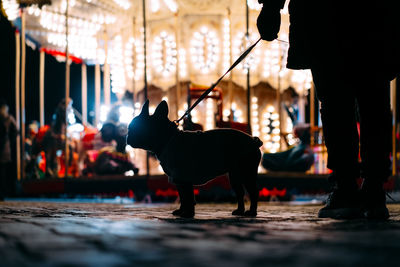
342, 204
374, 203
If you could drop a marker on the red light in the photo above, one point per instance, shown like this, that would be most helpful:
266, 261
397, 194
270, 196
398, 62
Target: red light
273, 193
172, 193
167, 193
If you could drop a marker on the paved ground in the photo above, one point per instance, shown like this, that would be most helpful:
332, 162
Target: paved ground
70, 234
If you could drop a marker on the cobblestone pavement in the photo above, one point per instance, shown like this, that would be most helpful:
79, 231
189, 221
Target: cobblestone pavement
70, 234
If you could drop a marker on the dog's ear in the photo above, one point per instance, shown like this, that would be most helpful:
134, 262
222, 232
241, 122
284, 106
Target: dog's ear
161, 110
145, 109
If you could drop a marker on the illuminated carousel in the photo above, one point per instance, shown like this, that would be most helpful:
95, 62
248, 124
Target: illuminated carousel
166, 50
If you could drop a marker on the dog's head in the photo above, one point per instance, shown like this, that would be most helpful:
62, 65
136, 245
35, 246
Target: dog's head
150, 131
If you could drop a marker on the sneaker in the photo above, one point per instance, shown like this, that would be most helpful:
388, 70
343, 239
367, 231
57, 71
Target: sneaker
374, 202
342, 204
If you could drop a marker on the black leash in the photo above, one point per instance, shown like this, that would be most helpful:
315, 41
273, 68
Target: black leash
245, 53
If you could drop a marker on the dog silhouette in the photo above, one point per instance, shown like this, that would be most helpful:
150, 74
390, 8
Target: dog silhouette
194, 158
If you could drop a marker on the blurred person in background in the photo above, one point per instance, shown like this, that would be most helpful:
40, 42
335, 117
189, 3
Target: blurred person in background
8, 133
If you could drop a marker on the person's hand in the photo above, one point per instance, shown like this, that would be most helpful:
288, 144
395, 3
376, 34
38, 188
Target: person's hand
269, 22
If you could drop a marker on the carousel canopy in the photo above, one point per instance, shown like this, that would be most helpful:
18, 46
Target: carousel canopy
186, 39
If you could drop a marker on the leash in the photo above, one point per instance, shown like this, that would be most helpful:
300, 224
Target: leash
240, 59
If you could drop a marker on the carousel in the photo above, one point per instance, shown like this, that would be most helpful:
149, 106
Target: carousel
170, 50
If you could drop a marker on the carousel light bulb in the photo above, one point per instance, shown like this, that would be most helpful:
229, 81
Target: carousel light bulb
275, 124
266, 121
276, 138
226, 23
270, 109
266, 130
274, 116
226, 112
37, 12
172, 5
238, 113
152, 109
126, 114
268, 145
155, 5
103, 113
267, 137
276, 146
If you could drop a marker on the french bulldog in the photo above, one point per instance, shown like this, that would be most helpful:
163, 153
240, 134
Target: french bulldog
194, 158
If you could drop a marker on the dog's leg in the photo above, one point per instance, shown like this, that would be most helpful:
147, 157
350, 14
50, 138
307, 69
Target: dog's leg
239, 191
186, 196
251, 186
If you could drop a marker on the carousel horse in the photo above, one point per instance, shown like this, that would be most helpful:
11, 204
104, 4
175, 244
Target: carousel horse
50, 139
110, 160
298, 158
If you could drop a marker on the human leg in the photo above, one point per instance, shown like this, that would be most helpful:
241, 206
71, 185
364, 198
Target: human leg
338, 114
375, 136
336, 93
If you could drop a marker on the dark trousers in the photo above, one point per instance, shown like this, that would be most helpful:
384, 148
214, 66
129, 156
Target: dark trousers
343, 94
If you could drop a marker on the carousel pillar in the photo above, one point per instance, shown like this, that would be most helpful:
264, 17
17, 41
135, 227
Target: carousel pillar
230, 84
84, 94
178, 84
393, 87
145, 72
279, 108
312, 105
279, 99
97, 93
17, 99
248, 72
301, 107
145, 50
41, 88
312, 112
23, 60
134, 59
67, 87
106, 74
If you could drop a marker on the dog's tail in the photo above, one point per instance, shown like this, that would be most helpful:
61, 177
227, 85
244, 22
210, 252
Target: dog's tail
258, 142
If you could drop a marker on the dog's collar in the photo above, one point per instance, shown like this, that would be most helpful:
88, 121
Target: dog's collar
160, 155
